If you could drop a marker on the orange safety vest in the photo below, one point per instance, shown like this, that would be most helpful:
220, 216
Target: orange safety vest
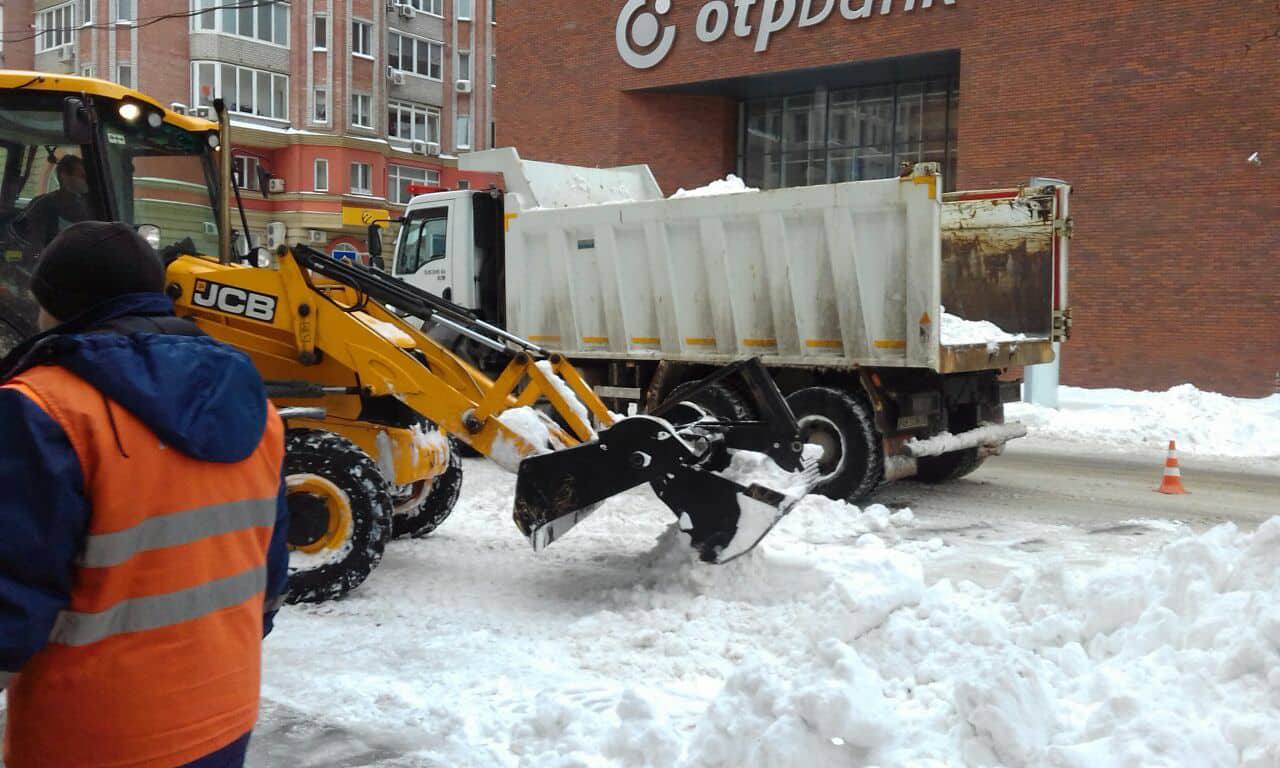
157, 660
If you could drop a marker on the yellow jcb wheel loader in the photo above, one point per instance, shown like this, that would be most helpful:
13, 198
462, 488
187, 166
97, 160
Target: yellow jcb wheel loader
368, 396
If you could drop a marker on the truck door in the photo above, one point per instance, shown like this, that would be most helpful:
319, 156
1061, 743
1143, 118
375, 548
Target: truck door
423, 257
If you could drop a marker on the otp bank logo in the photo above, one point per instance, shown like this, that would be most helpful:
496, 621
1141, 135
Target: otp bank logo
642, 40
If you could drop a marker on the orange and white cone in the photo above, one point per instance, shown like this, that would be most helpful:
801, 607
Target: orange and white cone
1172, 482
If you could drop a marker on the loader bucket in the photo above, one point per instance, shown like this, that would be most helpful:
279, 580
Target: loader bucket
688, 467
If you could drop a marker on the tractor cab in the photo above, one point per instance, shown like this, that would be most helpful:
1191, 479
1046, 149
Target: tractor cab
78, 149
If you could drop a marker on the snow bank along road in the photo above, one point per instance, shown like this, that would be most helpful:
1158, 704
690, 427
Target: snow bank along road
1048, 611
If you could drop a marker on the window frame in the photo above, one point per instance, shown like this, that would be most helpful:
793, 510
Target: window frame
353, 112
470, 66
367, 26
320, 21
133, 13
426, 6
218, 87
213, 10
319, 105
460, 136
355, 171
413, 71
51, 38
429, 113
317, 165
132, 76
247, 163
394, 177
471, 10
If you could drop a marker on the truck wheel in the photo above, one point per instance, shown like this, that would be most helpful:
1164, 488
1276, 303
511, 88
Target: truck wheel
340, 515
852, 462
429, 502
948, 466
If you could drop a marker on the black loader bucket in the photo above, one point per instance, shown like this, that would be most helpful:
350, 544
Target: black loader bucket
688, 457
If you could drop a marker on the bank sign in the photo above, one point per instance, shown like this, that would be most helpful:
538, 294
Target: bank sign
644, 40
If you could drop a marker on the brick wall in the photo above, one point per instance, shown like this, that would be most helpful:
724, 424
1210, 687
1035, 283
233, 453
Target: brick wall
1150, 108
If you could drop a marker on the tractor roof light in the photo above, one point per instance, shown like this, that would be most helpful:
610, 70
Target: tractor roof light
130, 111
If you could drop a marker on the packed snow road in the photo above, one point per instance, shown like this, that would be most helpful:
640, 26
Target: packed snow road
1047, 611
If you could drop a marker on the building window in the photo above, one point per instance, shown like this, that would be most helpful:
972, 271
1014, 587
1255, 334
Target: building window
86, 70
399, 177
361, 110
320, 106
462, 132
462, 8
850, 134
86, 11
464, 65
493, 12
125, 10
433, 7
321, 175
320, 33
413, 122
267, 22
464, 184
54, 26
247, 91
246, 169
416, 56
124, 75
362, 38
361, 179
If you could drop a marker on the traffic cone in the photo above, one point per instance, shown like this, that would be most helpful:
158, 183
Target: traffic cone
1172, 482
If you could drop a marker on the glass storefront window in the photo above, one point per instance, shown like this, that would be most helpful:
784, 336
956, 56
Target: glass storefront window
849, 134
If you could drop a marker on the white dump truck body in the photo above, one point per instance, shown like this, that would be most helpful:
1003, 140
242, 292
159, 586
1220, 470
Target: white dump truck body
600, 264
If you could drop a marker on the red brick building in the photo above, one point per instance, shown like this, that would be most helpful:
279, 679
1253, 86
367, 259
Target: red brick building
1151, 109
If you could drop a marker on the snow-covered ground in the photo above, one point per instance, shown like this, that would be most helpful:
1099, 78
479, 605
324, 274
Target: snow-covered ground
838, 641
1200, 422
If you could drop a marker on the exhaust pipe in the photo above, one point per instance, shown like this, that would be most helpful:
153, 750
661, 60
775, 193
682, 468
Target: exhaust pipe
987, 436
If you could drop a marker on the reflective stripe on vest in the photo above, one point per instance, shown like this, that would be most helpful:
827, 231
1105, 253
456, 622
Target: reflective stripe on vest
142, 613
103, 550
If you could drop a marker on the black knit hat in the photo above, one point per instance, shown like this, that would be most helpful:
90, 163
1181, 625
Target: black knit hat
91, 262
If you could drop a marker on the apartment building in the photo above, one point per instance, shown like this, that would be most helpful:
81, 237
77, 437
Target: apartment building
350, 105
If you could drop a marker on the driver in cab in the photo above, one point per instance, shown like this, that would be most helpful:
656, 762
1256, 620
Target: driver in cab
50, 213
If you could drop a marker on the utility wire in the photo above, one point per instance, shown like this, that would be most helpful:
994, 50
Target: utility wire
146, 21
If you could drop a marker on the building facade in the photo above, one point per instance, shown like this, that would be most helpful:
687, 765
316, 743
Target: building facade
1153, 110
347, 104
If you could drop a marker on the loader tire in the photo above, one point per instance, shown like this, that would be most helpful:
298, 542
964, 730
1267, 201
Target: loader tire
340, 515
852, 464
436, 506
948, 466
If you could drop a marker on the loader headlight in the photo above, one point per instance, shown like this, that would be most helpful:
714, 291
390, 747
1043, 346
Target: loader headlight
155, 120
130, 111
150, 233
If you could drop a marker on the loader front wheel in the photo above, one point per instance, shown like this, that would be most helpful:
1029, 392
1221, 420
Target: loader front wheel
339, 515
426, 505
852, 462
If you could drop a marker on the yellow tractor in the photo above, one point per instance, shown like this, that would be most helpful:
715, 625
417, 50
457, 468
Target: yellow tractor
367, 394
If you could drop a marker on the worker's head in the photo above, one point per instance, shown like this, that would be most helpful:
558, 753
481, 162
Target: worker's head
71, 175
90, 263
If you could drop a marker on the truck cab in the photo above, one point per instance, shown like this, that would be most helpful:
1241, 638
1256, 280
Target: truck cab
450, 245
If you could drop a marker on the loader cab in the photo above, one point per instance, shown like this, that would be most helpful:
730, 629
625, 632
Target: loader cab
450, 245
77, 149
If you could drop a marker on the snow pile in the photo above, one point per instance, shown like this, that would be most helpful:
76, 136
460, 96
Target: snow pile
1201, 422
1172, 661
533, 427
957, 331
729, 185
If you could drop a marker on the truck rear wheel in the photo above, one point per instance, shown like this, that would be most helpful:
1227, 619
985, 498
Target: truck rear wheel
429, 503
340, 515
948, 466
852, 462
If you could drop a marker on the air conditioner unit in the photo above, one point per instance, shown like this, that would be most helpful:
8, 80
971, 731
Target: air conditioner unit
66, 53
178, 107
418, 147
407, 11
433, 148
202, 112
275, 234
462, 86
316, 235
275, 186
397, 77
210, 228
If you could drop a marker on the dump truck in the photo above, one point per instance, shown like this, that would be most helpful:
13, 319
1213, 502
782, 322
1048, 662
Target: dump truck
366, 395
890, 313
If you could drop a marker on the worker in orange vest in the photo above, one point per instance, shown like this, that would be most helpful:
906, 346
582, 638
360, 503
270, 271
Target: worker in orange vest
143, 552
